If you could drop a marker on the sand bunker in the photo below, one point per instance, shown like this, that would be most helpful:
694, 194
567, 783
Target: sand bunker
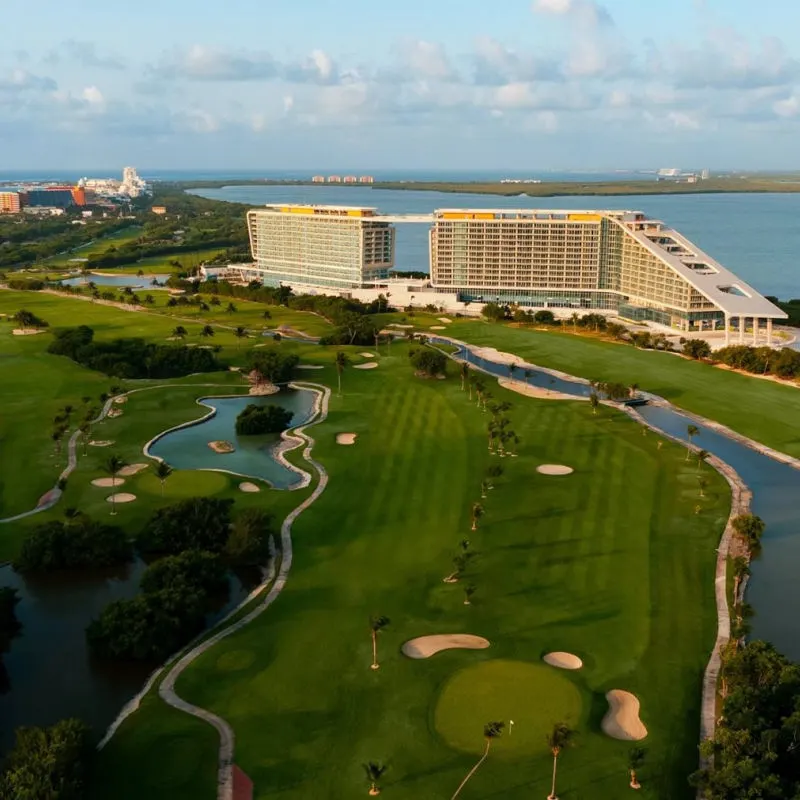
247, 486
132, 469
235, 369
106, 482
120, 400
562, 660
540, 392
398, 325
491, 354
444, 319
554, 469
308, 366
115, 412
101, 443
438, 328
621, 721
346, 438
26, 332
427, 646
221, 446
367, 355
368, 365
121, 497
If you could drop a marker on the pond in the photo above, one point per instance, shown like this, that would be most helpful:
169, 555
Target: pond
773, 590
52, 674
187, 448
117, 281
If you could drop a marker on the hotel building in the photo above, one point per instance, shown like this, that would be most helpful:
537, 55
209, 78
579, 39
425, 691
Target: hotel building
10, 203
609, 260
612, 261
339, 247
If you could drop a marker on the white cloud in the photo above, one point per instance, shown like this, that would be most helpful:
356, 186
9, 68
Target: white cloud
585, 12
683, 120
788, 107
93, 96
424, 59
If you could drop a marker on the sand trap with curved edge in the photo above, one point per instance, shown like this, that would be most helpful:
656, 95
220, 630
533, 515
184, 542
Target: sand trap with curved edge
621, 721
554, 469
114, 412
247, 486
101, 443
26, 332
131, 469
438, 328
120, 400
121, 497
346, 438
368, 365
367, 355
444, 319
562, 660
308, 366
427, 646
106, 482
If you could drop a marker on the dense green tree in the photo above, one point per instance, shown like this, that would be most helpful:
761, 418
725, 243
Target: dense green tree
48, 763
191, 570
750, 527
200, 523
428, 362
697, 349
255, 419
272, 364
248, 541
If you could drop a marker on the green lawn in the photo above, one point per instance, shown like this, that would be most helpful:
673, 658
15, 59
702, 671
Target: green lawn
93, 248
763, 410
611, 563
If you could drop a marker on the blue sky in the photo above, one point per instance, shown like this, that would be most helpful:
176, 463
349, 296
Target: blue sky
424, 84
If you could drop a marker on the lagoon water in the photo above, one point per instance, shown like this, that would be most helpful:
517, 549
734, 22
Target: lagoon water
755, 235
187, 448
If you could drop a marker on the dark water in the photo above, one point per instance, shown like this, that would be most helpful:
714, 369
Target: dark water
755, 235
774, 590
188, 448
51, 671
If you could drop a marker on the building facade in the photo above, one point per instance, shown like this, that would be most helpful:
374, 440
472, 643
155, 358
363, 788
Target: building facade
339, 247
51, 197
10, 203
607, 260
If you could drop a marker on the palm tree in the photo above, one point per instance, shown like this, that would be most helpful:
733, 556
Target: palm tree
477, 513
112, 466
464, 374
741, 569
594, 399
341, 363
57, 435
469, 591
374, 771
163, 471
560, 737
85, 428
231, 308
179, 332
267, 315
512, 368
703, 483
692, 431
240, 333
492, 730
633, 389
635, 761
376, 624
207, 331
702, 455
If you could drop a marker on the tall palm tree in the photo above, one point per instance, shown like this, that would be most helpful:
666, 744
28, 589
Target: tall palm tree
702, 455
85, 429
163, 471
560, 737
477, 513
635, 761
491, 731
179, 332
512, 368
231, 308
703, 484
207, 331
691, 431
741, 569
594, 400
374, 771
376, 624
469, 591
464, 374
112, 466
240, 333
341, 363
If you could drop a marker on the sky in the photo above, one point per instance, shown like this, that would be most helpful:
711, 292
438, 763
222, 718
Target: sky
512, 85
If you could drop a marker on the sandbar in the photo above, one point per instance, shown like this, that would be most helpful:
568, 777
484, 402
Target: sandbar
221, 446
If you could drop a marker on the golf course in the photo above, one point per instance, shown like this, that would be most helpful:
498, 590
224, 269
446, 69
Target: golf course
612, 561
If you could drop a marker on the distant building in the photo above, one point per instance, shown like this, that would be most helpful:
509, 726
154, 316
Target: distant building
161, 210
705, 174
10, 203
51, 197
334, 179
79, 195
350, 179
318, 179
366, 179
331, 246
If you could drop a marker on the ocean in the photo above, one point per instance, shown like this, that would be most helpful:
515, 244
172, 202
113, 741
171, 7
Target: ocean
757, 236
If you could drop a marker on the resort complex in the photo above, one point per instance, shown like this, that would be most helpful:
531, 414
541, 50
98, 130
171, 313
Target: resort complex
608, 261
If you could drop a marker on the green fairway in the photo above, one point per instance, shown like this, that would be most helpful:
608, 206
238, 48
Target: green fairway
66, 260
763, 410
534, 697
611, 563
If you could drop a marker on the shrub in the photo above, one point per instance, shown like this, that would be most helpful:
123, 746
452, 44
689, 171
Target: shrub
428, 362
256, 419
697, 348
200, 523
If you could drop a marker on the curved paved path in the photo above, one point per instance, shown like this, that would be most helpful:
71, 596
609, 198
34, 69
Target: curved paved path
167, 688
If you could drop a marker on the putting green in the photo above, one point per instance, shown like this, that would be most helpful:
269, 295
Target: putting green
185, 483
534, 696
